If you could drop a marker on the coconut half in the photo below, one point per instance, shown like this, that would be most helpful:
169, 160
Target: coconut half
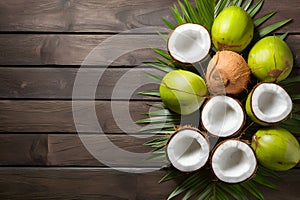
233, 161
223, 116
188, 149
268, 103
189, 43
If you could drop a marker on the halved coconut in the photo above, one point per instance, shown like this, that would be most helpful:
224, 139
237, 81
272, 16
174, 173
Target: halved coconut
222, 116
189, 43
233, 161
268, 103
188, 149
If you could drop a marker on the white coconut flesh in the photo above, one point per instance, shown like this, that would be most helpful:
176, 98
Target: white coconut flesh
233, 161
188, 150
189, 43
222, 116
270, 103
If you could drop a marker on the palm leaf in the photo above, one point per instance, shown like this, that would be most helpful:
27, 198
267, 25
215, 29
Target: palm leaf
176, 13
169, 24
263, 181
197, 188
154, 77
157, 105
220, 6
266, 30
234, 190
159, 119
283, 36
206, 11
157, 140
295, 96
237, 3
261, 20
172, 174
159, 66
188, 183
163, 36
251, 187
162, 53
255, 8
163, 112
247, 5
205, 193
150, 93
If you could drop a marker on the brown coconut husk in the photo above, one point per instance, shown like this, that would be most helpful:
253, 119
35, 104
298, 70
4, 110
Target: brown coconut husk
227, 73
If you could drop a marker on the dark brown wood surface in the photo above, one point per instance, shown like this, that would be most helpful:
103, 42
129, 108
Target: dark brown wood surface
42, 46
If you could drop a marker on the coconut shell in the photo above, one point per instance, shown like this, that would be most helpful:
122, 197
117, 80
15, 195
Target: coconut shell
227, 73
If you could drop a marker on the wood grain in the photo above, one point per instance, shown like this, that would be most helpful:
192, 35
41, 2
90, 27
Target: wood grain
57, 116
35, 49
107, 184
108, 16
69, 150
30, 149
57, 83
53, 49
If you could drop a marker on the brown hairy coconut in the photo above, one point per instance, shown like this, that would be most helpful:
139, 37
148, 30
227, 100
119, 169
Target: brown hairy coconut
227, 73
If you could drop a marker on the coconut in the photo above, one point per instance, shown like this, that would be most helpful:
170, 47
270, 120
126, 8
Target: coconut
270, 59
233, 161
232, 29
268, 104
183, 91
276, 148
189, 43
222, 116
227, 73
188, 149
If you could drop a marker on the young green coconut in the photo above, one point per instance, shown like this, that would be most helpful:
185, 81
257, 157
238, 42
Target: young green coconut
233, 161
276, 148
227, 73
232, 29
222, 116
188, 149
189, 43
270, 59
268, 104
183, 91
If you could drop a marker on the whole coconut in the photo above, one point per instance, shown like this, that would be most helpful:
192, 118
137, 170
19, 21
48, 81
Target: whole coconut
270, 59
183, 91
232, 29
276, 148
227, 73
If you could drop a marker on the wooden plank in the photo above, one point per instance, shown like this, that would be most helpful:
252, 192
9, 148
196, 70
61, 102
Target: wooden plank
106, 184
57, 49
21, 149
37, 49
109, 16
57, 83
57, 116
69, 150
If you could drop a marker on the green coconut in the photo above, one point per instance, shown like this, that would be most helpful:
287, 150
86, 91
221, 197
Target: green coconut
232, 29
270, 59
183, 91
276, 148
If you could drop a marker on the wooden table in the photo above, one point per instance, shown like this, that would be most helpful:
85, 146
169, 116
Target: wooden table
42, 45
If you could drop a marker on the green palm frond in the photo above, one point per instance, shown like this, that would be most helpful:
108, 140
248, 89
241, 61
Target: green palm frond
269, 29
